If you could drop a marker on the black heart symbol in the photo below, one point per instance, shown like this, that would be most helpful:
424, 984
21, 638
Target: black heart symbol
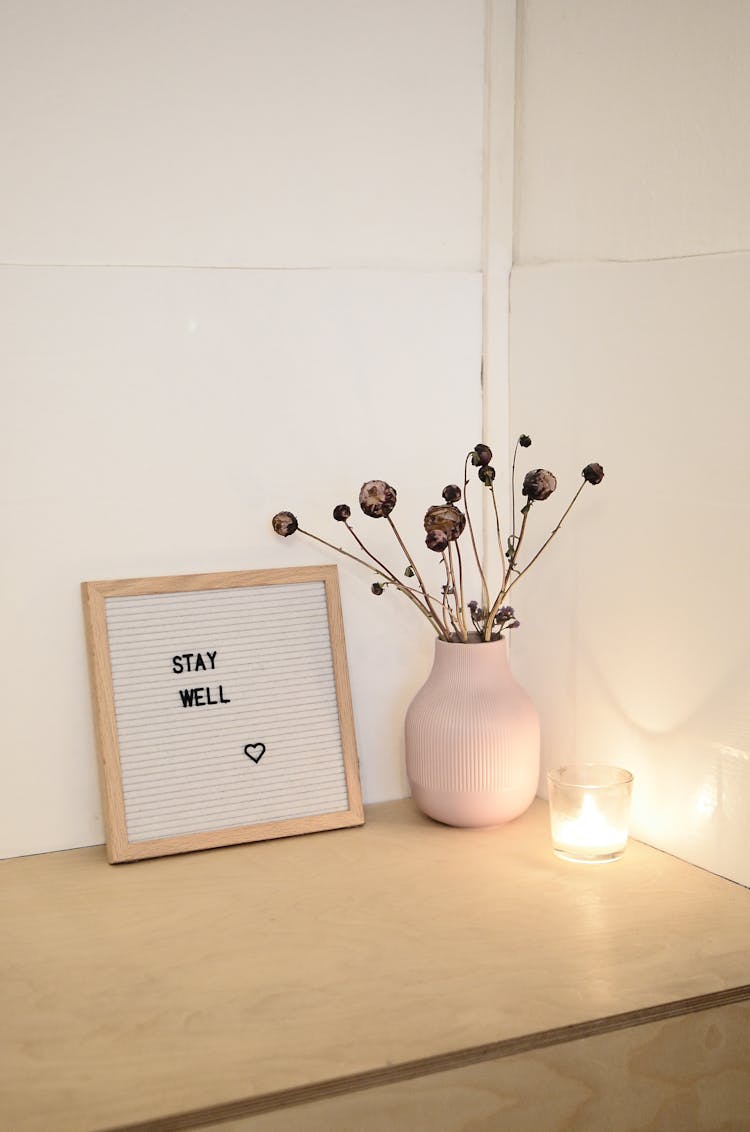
259, 747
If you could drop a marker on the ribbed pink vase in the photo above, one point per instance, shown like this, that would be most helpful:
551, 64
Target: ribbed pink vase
472, 738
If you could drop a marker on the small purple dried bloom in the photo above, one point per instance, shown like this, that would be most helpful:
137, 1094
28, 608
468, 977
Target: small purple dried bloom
524, 440
593, 473
473, 605
486, 474
436, 540
377, 588
377, 498
284, 523
342, 512
481, 455
452, 493
446, 518
539, 484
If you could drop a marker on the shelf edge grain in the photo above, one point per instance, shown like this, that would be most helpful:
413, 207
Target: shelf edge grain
423, 1067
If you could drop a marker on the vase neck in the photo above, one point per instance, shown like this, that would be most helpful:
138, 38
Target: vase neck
473, 661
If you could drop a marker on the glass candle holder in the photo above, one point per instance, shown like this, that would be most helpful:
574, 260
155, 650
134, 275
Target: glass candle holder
589, 810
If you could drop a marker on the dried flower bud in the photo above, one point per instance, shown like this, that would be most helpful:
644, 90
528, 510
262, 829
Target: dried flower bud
377, 498
593, 473
486, 474
481, 455
377, 588
436, 540
524, 440
284, 523
473, 605
445, 518
409, 572
342, 512
539, 484
452, 493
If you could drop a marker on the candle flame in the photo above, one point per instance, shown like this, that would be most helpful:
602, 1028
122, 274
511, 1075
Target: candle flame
589, 831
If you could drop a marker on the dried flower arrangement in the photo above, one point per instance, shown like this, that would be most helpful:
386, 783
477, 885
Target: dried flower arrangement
449, 615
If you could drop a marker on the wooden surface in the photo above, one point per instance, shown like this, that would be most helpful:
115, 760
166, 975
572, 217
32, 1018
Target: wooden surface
174, 992
688, 1074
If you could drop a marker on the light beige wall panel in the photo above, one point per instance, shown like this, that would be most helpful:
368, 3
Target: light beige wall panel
499, 123
632, 129
690, 1072
636, 625
153, 423
241, 132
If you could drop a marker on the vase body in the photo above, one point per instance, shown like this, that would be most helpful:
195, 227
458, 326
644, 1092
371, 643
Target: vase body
472, 738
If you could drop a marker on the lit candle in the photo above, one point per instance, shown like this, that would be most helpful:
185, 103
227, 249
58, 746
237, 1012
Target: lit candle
589, 808
590, 831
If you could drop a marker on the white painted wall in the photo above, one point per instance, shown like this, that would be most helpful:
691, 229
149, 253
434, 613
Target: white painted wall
632, 146
241, 247
298, 133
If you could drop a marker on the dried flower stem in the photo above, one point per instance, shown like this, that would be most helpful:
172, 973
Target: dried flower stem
485, 590
412, 590
417, 575
460, 583
511, 565
458, 596
517, 544
503, 566
513, 493
434, 621
369, 554
347, 554
446, 590
547, 541
461, 587
444, 603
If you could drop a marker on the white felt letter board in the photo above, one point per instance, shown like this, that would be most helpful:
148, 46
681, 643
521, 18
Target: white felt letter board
222, 709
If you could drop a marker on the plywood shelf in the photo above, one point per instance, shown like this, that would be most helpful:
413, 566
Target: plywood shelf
176, 992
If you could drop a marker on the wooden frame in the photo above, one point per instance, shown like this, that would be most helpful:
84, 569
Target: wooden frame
219, 763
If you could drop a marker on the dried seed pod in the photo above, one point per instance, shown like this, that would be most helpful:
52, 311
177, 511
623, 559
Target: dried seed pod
539, 484
593, 473
446, 518
436, 540
377, 498
284, 523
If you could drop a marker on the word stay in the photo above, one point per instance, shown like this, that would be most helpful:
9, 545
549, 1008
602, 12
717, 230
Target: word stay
193, 662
